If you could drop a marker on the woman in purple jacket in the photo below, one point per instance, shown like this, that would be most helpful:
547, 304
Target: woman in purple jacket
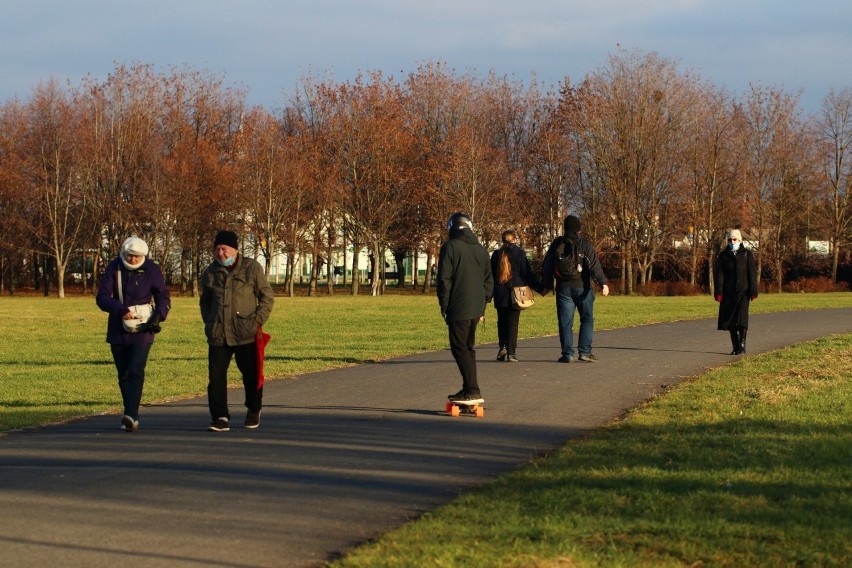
131, 279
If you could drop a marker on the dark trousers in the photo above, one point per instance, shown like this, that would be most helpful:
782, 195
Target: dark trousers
507, 328
462, 339
130, 361
218, 361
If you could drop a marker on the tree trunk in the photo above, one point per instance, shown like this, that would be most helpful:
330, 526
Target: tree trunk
356, 251
378, 270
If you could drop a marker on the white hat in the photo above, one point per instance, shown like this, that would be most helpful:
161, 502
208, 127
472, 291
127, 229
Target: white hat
134, 246
735, 234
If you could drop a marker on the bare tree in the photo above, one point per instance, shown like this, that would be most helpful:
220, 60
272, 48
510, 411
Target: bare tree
58, 198
835, 131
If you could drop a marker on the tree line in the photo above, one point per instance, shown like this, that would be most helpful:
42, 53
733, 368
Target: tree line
657, 162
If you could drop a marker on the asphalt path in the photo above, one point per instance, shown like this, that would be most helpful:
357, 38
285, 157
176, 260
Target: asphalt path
340, 457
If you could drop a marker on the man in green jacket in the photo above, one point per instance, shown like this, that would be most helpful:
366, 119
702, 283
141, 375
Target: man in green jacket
236, 298
464, 286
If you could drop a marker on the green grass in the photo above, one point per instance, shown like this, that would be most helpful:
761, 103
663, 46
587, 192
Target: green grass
748, 465
745, 466
55, 363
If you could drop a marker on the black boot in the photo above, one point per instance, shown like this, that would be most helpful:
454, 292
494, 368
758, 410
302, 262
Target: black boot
743, 333
735, 341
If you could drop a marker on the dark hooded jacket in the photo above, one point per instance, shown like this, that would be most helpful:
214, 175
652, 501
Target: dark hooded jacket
465, 283
139, 286
736, 281
588, 256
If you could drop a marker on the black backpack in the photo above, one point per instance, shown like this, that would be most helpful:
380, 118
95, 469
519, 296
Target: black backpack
567, 265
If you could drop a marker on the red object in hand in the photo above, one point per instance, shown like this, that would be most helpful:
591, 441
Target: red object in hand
718, 297
261, 339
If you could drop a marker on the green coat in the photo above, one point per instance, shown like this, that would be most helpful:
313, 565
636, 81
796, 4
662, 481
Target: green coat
234, 302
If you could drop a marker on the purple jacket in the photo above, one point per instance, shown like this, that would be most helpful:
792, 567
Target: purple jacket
139, 286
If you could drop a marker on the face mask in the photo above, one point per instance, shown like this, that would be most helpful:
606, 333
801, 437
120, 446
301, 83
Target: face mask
735, 246
228, 261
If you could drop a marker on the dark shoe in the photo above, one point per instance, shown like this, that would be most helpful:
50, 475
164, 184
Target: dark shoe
511, 359
456, 396
252, 419
501, 355
219, 425
468, 398
128, 424
565, 359
587, 358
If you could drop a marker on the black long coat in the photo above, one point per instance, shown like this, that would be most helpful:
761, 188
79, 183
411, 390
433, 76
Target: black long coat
736, 282
522, 273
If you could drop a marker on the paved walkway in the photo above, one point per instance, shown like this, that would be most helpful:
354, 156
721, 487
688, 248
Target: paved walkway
341, 456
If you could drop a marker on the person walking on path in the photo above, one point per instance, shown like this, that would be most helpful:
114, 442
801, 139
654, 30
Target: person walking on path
131, 280
464, 285
735, 281
236, 299
510, 267
572, 263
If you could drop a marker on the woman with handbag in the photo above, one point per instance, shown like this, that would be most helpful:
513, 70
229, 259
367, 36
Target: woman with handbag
134, 294
511, 270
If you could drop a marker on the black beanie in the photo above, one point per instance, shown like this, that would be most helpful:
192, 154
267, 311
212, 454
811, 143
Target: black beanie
226, 238
571, 224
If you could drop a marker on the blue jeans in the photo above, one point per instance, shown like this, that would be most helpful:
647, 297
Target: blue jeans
583, 299
130, 361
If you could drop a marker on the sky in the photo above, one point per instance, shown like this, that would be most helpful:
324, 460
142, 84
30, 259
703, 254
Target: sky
267, 46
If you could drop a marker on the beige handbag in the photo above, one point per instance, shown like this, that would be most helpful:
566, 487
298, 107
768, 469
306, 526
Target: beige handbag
141, 312
522, 297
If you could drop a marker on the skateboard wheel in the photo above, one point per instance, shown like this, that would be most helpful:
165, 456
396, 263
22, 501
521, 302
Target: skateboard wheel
449, 407
455, 410
480, 412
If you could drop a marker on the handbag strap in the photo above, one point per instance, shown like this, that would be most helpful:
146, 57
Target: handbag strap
120, 291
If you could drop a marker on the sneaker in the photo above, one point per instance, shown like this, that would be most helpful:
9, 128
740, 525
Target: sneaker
128, 424
565, 359
219, 425
252, 419
587, 358
501, 355
456, 396
467, 398
511, 359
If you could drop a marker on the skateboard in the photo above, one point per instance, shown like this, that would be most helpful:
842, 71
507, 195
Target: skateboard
459, 407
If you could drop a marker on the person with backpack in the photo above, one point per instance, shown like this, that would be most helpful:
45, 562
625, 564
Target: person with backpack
464, 285
572, 263
510, 267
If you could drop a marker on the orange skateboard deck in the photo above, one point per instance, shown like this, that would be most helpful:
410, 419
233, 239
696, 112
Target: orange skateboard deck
458, 408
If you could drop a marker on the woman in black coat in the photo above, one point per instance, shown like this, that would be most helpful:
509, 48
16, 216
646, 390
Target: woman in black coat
515, 271
736, 287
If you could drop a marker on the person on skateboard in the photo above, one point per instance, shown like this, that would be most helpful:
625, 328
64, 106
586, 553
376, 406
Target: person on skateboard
464, 285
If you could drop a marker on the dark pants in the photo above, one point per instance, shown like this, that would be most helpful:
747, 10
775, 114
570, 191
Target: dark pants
218, 361
507, 328
462, 339
130, 361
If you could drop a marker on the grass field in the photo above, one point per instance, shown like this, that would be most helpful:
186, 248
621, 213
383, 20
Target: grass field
748, 465
55, 363
745, 466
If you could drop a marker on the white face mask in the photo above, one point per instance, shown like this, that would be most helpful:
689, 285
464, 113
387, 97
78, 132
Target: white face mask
228, 261
735, 246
